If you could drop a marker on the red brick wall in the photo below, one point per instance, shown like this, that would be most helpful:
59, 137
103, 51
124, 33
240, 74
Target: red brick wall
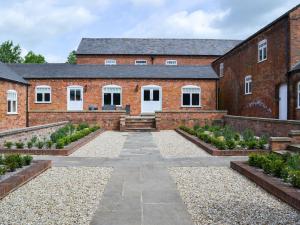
131, 93
173, 119
266, 76
12, 121
294, 112
262, 126
159, 60
107, 120
294, 37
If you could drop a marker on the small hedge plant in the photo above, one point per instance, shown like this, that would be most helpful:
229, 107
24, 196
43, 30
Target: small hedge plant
226, 138
286, 167
10, 163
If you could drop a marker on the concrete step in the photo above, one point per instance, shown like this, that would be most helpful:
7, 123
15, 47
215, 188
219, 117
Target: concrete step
294, 148
145, 129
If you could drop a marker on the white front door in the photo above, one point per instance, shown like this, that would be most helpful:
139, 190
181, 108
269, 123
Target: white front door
75, 98
283, 102
151, 99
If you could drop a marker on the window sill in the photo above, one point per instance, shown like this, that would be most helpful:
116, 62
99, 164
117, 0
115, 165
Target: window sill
248, 93
12, 114
42, 102
196, 106
261, 61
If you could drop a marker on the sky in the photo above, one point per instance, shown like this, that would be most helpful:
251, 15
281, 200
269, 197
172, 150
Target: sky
53, 28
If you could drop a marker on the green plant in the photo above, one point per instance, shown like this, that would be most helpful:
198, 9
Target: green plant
82, 126
248, 135
34, 139
196, 127
256, 160
230, 144
11, 163
19, 145
27, 159
221, 145
1, 160
293, 162
94, 128
60, 144
29, 144
40, 144
49, 144
2, 170
251, 144
295, 178
8, 144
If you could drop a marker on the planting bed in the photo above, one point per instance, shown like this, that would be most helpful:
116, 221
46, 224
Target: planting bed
62, 142
13, 180
273, 185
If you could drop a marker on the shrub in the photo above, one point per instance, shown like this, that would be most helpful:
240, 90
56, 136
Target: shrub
221, 145
34, 139
228, 133
49, 144
196, 127
27, 159
94, 128
295, 178
230, 144
10, 161
188, 130
256, 160
62, 132
60, 144
248, 135
40, 144
1, 159
293, 162
82, 126
251, 144
19, 145
2, 170
8, 144
29, 144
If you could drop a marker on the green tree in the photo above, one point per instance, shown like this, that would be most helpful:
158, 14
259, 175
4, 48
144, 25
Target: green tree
72, 58
31, 57
10, 53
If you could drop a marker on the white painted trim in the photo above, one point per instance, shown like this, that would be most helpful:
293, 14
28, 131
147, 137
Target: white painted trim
191, 87
247, 83
68, 96
265, 41
110, 62
168, 62
141, 64
43, 102
112, 86
151, 87
16, 99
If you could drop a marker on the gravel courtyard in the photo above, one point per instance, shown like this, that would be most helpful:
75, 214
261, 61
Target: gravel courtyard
108, 144
221, 196
61, 195
173, 145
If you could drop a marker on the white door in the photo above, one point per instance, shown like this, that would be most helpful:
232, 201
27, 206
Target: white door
75, 98
151, 99
283, 102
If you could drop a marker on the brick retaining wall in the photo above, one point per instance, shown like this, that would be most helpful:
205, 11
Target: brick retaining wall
261, 126
169, 120
109, 120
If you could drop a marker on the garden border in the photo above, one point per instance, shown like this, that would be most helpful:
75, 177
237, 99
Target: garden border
63, 152
17, 180
273, 185
214, 151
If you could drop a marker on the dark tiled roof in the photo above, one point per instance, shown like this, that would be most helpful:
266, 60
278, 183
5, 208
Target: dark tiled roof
7, 74
295, 68
58, 71
138, 46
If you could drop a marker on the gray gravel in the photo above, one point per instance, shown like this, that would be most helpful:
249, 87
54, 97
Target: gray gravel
173, 145
108, 144
222, 196
62, 196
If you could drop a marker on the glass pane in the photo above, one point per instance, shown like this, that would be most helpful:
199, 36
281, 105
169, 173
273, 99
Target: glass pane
14, 106
195, 99
72, 95
155, 95
117, 99
39, 97
107, 99
146, 95
250, 87
186, 99
78, 95
47, 97
265, 53
8, 106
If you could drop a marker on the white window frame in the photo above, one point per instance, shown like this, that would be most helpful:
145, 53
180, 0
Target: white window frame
171, 62
110, 62
43, 92
193, 90
141, 62
298, 95
12, 96
113, 89
262, 45
221, 70
248, 85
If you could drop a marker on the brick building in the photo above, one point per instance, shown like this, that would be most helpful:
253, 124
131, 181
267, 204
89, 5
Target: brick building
13, 99
254, 76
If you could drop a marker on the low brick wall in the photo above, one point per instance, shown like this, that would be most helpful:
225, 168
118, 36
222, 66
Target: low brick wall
170, 120
272, 127
25, 134
109, 120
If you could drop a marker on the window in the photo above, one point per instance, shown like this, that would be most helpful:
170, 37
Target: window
43, 94
221, 70
141, 62
298, 95
110, 62
171, 62
112, 95
262, 50
191, 96
248, 85
12, 102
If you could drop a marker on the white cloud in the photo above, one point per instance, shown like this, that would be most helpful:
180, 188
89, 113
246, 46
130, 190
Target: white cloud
148, 2
180, 24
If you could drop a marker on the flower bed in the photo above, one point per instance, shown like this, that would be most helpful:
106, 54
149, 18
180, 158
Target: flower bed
16, 170
62, 142
225, 138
